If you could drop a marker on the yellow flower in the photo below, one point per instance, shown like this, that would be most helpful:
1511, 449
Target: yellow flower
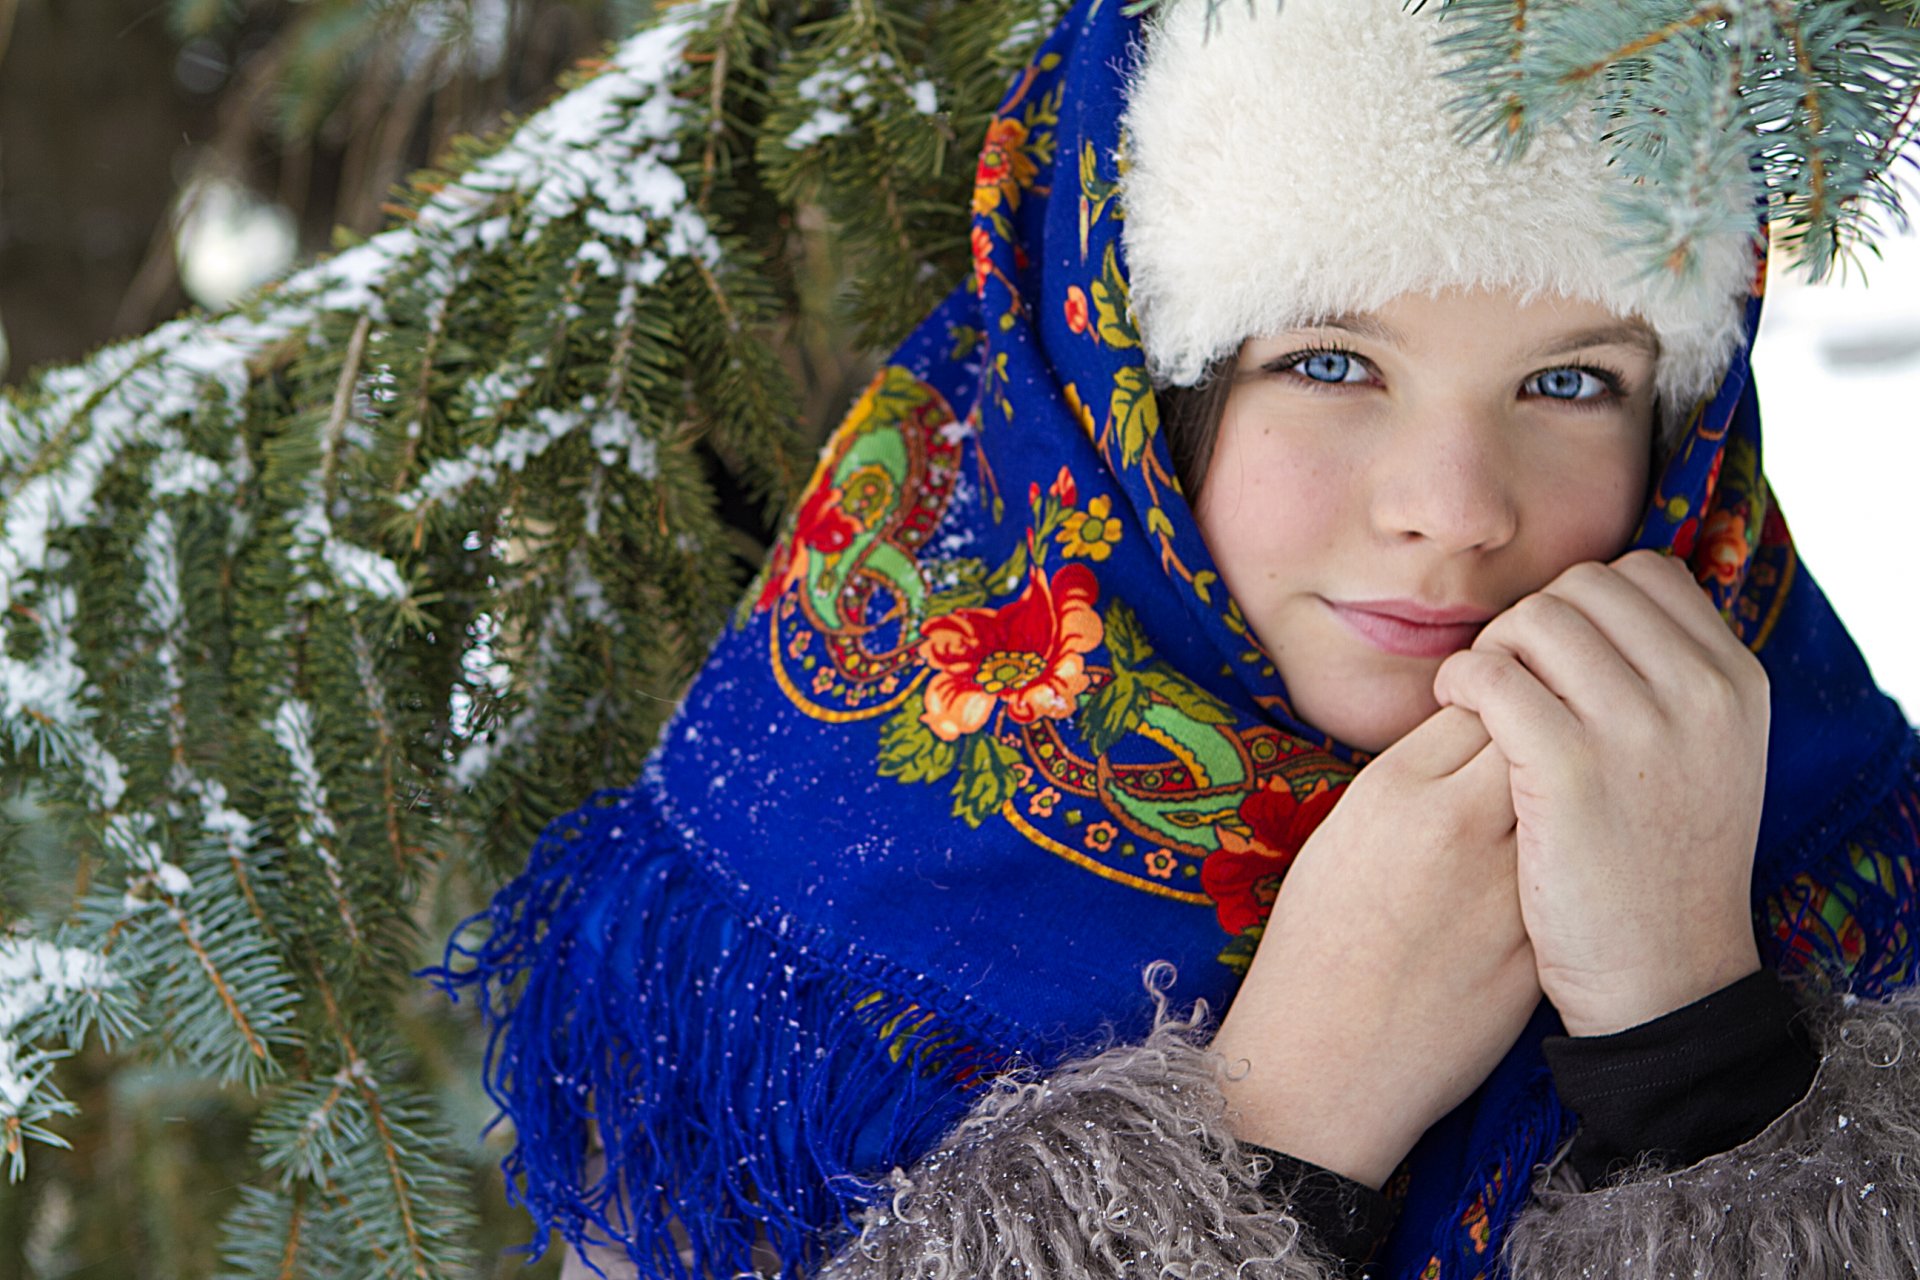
1090, 533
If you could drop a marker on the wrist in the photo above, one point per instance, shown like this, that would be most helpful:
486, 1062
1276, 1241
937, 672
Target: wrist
1630, 998
1312, 1108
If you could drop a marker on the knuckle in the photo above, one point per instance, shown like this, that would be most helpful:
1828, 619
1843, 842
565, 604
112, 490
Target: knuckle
1584, 573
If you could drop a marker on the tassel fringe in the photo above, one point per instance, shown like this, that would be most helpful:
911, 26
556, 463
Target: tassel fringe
744, 1090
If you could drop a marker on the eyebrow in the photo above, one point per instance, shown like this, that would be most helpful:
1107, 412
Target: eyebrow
1364, 323
1623, 333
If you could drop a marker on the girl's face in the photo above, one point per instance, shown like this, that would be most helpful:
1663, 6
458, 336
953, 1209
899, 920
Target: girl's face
1385, 482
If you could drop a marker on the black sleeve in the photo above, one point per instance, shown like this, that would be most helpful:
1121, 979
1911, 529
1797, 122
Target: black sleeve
1690, 1084
1345, 1219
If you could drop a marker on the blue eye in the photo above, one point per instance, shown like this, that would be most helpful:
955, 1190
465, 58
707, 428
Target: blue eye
1329, 366
1567, 384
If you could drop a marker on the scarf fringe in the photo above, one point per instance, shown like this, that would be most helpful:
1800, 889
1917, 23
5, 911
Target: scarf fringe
746, 1091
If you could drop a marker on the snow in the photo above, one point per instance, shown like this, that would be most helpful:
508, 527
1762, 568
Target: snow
292, 728
841, 89
176, 472
364, 571
616, 438
493, 393
130, 835
823, 123
33, 975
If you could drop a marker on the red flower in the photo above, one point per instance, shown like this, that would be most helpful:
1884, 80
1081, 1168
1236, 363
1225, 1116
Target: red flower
1685, 536
1723, 548
982, 259
1076, 305
1064, 488
1243, 875
1026, 654
820, 525
1005, 167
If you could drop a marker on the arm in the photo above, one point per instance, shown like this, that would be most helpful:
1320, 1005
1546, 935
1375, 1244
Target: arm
1830, 1188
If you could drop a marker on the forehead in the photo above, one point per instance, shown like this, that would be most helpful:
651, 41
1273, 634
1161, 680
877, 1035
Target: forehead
1489, 322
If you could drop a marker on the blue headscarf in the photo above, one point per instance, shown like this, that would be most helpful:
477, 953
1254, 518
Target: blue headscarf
989, 736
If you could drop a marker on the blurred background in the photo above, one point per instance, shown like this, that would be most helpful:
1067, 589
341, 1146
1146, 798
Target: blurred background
157, 155
162, 154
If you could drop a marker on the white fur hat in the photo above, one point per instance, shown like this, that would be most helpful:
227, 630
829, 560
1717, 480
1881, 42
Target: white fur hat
1287, 166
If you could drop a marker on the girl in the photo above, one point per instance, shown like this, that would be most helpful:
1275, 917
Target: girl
1425, 672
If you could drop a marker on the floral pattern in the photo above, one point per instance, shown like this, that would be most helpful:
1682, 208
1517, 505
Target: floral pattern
1723, 547
1027, 656
821, 527
1091, 533
1243, 877
1005, 167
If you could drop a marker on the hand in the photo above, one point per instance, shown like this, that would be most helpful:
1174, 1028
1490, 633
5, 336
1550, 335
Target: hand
1394, 972
1636, 725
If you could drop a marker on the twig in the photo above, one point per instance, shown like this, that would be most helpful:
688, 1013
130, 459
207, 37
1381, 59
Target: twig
1652, 39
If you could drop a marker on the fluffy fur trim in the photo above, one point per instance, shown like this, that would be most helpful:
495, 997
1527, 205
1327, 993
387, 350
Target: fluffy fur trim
1287, 166
1832, 1188
1118, 1165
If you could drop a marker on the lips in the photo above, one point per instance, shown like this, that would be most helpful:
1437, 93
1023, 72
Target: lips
1409, 628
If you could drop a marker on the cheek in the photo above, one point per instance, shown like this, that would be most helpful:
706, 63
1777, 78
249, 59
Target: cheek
1589, 506
1270, 500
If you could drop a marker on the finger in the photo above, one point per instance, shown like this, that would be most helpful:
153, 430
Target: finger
1524, 718
1490, 771
1670, 584
1666, 652
1442, 743
1577, 662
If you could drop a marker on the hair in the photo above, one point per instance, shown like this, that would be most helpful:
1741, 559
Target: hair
1191, 416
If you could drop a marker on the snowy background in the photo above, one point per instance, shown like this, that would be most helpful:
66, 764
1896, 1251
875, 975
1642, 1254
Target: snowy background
1838, 368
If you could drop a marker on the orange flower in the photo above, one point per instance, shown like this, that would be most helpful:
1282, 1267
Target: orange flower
1243, 875
1099, 836
1026, 655
982, 259
1076, 306
1043, 802
1160, 864
1005, 167
1723, 547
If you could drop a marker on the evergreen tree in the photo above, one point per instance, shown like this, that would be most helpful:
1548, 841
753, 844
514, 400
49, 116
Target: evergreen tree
315, 612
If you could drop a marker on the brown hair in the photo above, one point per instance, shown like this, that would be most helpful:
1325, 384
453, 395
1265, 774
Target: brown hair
1191, 418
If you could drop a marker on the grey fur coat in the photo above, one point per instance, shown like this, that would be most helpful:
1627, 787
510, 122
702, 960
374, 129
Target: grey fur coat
1124, 1165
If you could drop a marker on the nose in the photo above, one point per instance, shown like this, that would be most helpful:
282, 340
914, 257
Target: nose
1446, 478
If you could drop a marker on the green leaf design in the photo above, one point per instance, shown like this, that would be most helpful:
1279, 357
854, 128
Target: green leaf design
987, 779
1134, 411
1111, 711
1008, 575
1238, 954
1184, 696
965, 586
1114, 325
1127, 646
912, 752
